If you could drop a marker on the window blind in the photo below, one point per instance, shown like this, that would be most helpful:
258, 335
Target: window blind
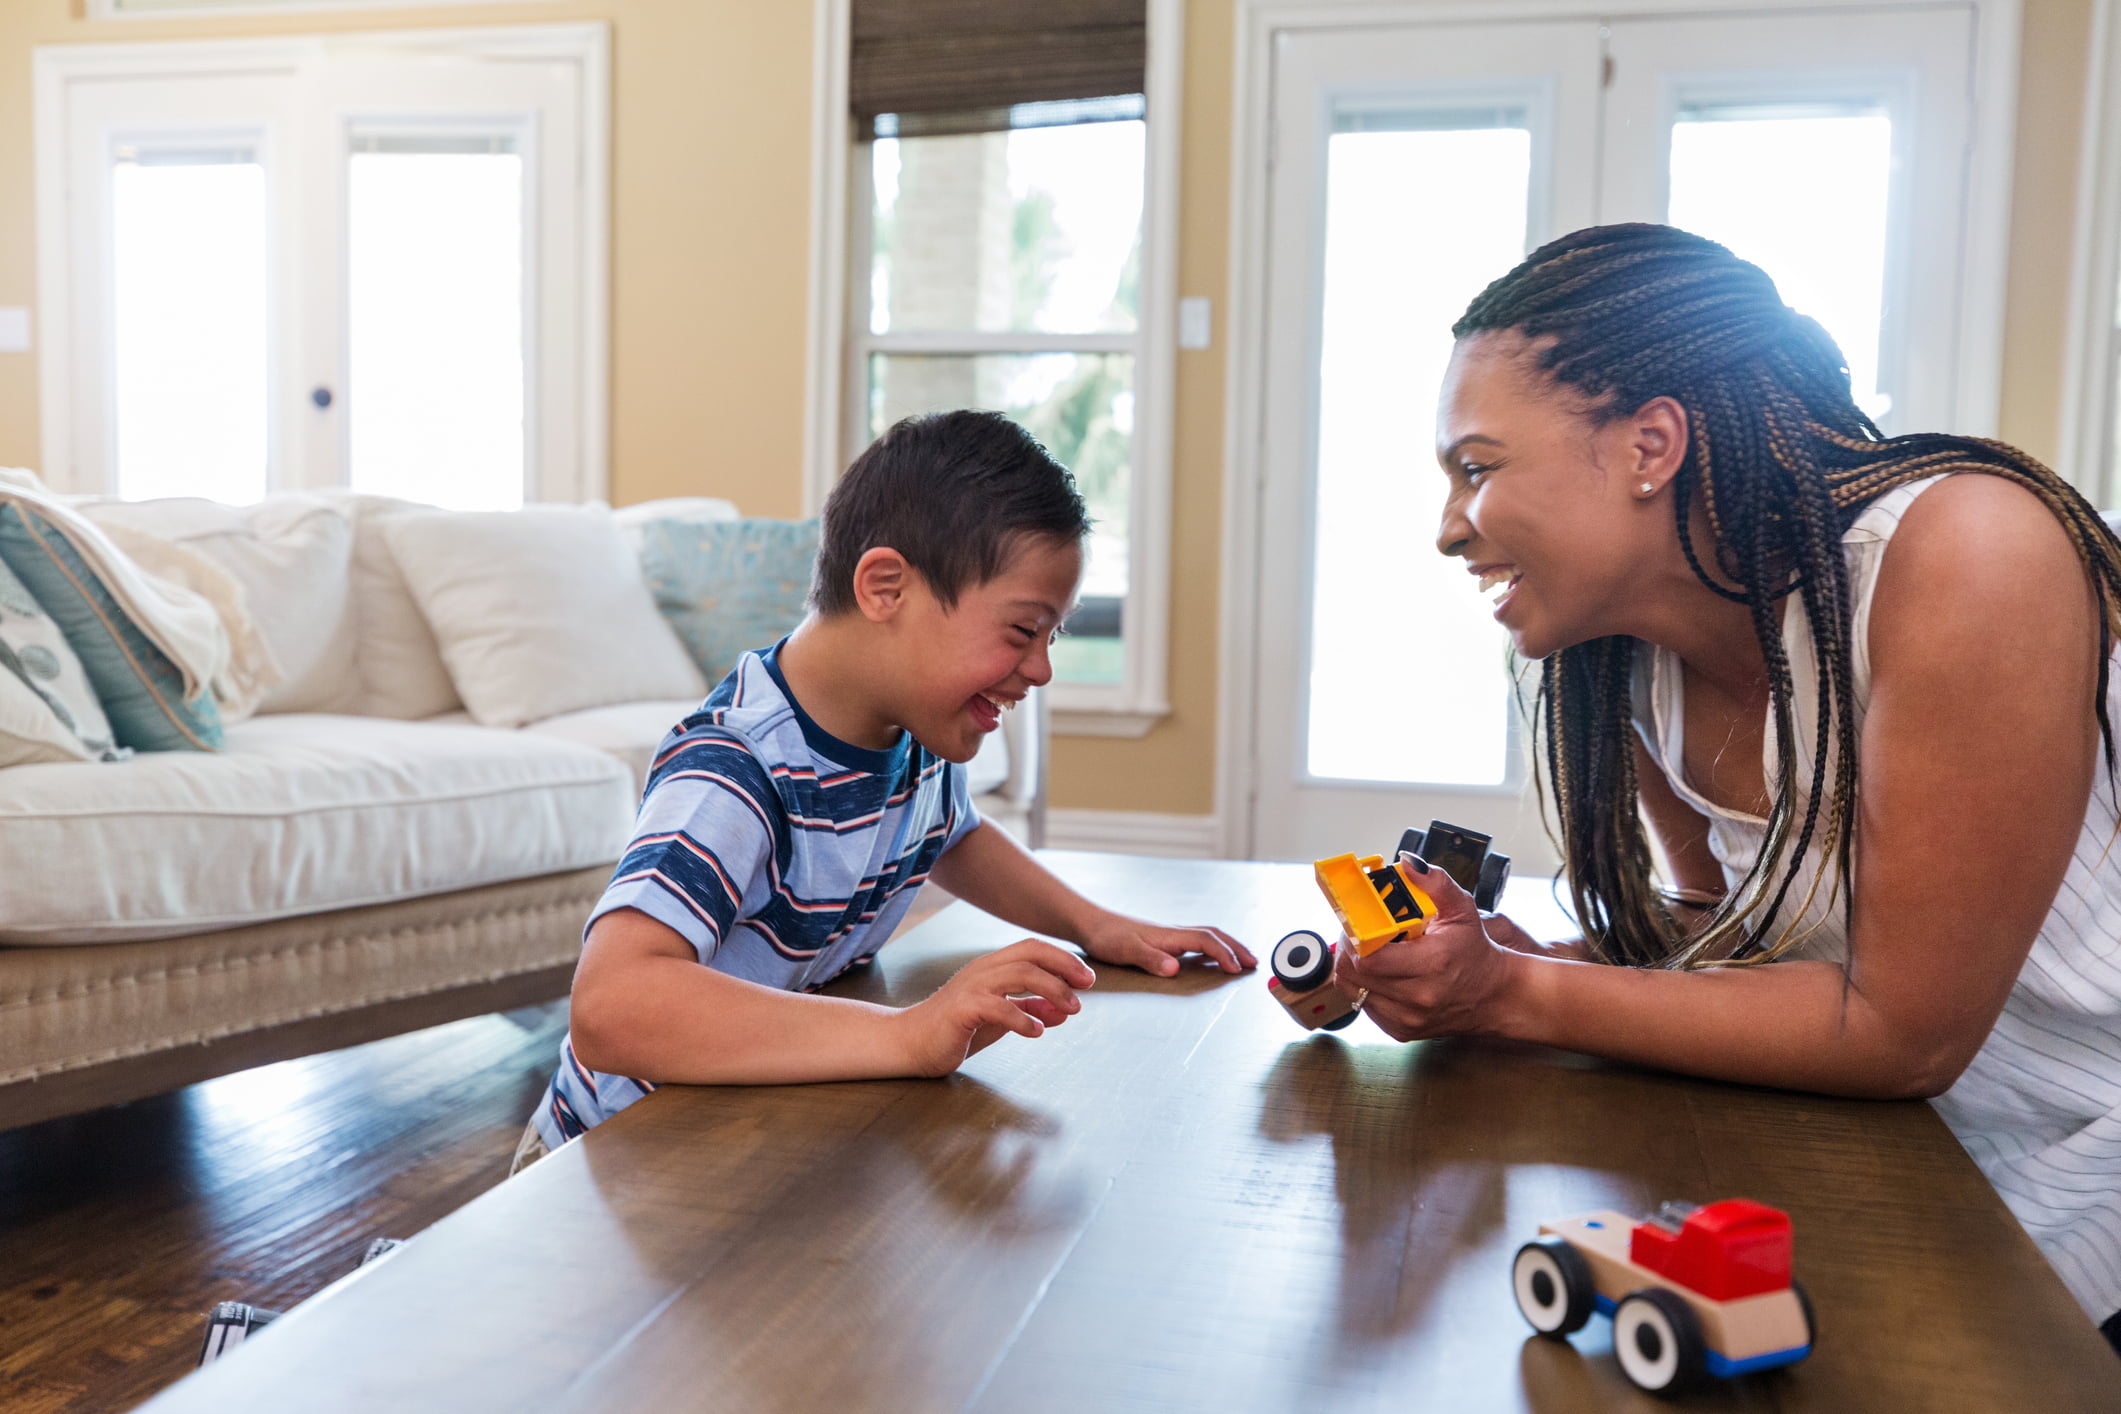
943, 66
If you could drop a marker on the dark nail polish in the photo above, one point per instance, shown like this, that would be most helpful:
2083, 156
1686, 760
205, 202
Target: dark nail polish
1421, 866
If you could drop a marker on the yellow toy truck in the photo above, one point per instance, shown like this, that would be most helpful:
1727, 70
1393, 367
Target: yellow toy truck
1377, 903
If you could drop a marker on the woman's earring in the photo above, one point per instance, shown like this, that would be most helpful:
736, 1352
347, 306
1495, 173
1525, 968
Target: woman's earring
1647, 487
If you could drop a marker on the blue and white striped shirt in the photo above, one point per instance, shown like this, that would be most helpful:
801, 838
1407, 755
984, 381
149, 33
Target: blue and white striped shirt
781, 853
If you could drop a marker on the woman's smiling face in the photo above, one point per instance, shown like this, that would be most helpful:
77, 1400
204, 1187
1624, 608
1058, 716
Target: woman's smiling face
1546, 503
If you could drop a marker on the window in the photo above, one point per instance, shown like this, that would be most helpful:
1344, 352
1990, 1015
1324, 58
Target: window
1005, 273
280, 264
1006, 250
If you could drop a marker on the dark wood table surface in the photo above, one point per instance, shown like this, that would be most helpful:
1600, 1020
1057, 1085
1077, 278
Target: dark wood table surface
1177, 1200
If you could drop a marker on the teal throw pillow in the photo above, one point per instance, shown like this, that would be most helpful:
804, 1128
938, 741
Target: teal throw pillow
141, 690
34, 648
728, 585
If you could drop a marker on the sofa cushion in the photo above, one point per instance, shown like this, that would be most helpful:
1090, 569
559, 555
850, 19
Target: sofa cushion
48, 710
141, 690
728, 586
630, 731
396, 658
293, 556
298, 814
539, 611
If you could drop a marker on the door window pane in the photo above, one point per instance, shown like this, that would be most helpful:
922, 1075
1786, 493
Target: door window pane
436, 319
1801, 190
1035, 228
1082, 407
1423, 209
188, 297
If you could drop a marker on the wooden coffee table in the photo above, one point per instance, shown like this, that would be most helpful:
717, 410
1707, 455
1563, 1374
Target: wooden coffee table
1177, 1200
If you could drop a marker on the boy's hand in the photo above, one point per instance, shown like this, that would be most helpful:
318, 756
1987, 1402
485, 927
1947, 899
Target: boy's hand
1129, 942
1024, 988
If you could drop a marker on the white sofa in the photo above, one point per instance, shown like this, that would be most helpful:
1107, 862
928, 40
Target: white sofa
362, 858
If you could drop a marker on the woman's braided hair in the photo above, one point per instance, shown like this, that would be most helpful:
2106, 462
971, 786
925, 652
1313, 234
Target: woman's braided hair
1783, 461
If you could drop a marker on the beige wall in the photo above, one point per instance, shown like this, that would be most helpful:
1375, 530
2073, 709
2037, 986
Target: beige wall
709, 234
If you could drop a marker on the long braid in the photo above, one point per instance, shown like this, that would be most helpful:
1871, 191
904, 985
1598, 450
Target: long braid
1782, 461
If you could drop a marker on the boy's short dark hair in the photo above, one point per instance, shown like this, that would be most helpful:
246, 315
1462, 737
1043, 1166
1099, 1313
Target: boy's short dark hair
950, 491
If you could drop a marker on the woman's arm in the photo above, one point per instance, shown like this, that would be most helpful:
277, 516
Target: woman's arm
1975, 762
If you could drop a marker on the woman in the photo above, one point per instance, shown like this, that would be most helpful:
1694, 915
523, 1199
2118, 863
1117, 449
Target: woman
1858, 687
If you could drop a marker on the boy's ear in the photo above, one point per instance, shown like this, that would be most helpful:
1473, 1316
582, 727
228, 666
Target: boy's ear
881, 577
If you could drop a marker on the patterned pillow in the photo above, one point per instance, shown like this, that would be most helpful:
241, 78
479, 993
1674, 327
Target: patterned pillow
47, 678
142, 692
731, 585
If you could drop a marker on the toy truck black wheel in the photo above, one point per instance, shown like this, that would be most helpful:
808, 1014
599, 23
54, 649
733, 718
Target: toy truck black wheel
1554, 1286
1658, 1341
1341, 1023
1494, 874
1301, 961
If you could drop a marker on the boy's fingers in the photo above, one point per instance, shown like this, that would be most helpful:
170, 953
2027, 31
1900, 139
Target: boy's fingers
1002, 1012
1228, 953
1023, 977
1057, 960
1047, 1013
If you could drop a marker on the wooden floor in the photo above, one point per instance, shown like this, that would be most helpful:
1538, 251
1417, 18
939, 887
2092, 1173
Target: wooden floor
121, 1229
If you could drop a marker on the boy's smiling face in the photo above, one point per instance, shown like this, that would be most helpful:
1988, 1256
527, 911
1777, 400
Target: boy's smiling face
959, 668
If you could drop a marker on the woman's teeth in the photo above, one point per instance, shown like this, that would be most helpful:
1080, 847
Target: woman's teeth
1505, 577
999, 704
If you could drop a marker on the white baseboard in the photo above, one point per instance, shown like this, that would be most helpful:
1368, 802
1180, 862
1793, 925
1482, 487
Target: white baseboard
1134, 832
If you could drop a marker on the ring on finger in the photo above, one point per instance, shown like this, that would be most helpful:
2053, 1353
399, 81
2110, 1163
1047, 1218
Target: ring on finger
1361, 997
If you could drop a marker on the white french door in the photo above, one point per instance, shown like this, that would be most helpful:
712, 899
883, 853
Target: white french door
1410, 165
367, 262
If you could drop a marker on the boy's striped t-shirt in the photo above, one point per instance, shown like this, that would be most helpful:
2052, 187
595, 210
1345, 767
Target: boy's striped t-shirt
781, 853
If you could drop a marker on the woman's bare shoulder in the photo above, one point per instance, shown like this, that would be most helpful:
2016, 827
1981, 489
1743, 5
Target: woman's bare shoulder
1982, 545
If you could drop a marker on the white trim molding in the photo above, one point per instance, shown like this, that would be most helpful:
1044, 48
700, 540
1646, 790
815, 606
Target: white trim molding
2091, 355
837, 338
1134, 832
1262, 24
226, 9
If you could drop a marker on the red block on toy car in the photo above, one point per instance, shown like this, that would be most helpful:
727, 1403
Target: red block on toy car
1723, 1250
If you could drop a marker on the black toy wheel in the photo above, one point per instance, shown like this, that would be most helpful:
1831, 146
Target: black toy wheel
1342, 1023
1494, 875
1554, 1286
1412, 841
1302, 960
1804, 1304
1658, 1341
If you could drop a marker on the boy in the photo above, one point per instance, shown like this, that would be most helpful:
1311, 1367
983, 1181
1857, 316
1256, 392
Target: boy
790, 821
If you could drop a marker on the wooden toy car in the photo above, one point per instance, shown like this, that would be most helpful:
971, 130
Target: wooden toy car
1692, 1291
1377, 903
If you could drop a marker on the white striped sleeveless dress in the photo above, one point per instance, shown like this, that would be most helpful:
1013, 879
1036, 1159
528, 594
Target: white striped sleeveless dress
2039, 1109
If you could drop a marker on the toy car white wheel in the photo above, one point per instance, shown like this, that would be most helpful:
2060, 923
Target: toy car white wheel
1658, 1341
1302, 960
1554, 1286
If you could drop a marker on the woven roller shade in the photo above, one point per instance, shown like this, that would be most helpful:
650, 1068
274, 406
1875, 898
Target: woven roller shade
963, 64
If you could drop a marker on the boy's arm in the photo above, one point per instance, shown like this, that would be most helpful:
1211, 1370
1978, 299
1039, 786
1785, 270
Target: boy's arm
645, 1007
988, 869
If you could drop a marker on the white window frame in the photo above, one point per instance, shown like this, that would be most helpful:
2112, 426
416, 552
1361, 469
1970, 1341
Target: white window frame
2086, 451
577, 469
834, 427
1261, 23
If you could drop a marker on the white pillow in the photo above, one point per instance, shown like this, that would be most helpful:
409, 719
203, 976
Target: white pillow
539, 611
292, 554
395, 654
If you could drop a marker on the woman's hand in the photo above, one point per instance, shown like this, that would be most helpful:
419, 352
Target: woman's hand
1453, 980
